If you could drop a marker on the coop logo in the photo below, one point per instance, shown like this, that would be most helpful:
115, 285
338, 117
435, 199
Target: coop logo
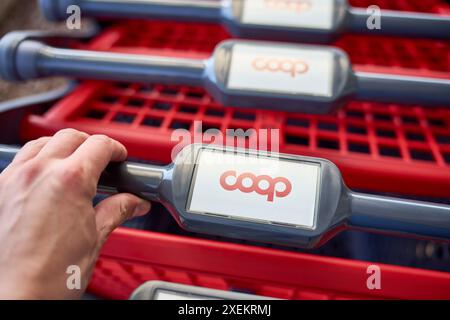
298, 6
264, 185
293, 67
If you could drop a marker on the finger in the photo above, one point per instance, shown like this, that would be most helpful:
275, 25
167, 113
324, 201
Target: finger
96, 152
63, 143
30, 150
115, 210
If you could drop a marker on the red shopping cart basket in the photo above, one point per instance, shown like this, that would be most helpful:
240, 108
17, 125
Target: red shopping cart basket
378, 147
385, 148
131, 257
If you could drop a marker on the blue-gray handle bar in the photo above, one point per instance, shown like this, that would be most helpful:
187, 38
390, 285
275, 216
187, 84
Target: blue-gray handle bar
367, 212
407, 24
355, 19
33, 59
399, 216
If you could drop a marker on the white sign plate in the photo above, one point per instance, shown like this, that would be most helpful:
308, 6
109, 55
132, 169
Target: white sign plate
282, 69
260, 189
310, 14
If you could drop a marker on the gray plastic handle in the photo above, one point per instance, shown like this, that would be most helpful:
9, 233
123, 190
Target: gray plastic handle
405, 24
190, 10
393, 22
32, 59
402, 89
368, 212
400, 216
36, 60
142, 180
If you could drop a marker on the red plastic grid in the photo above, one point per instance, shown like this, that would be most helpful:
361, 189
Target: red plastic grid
377, 147
132, 257
373, 50
201, 39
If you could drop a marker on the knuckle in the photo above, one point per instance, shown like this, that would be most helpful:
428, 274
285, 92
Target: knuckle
40, 142
67, 131
32, 143
42, 139
101, 139
71, 175
29, 171
29, 144
71, 132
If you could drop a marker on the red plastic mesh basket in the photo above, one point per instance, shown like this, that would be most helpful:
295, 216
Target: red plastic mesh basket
380, 147
131, 257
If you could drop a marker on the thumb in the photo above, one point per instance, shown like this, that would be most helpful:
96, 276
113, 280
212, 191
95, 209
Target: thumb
115, 210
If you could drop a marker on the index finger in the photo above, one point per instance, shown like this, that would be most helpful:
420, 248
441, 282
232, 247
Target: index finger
97, 152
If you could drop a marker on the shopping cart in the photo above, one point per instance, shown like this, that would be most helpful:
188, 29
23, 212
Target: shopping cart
379, 148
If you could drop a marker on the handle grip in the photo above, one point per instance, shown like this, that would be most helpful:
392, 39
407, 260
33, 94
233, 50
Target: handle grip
205, 10
22, 59
404, 24
402, 89
139, 179
398, 216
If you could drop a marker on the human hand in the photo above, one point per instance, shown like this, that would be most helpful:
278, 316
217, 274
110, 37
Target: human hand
47, 219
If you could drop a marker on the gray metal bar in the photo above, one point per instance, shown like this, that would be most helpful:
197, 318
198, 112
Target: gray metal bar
39, 60
400, 216
352, 19
408, 24
402, 89
204, 10
142, 180
34, 59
